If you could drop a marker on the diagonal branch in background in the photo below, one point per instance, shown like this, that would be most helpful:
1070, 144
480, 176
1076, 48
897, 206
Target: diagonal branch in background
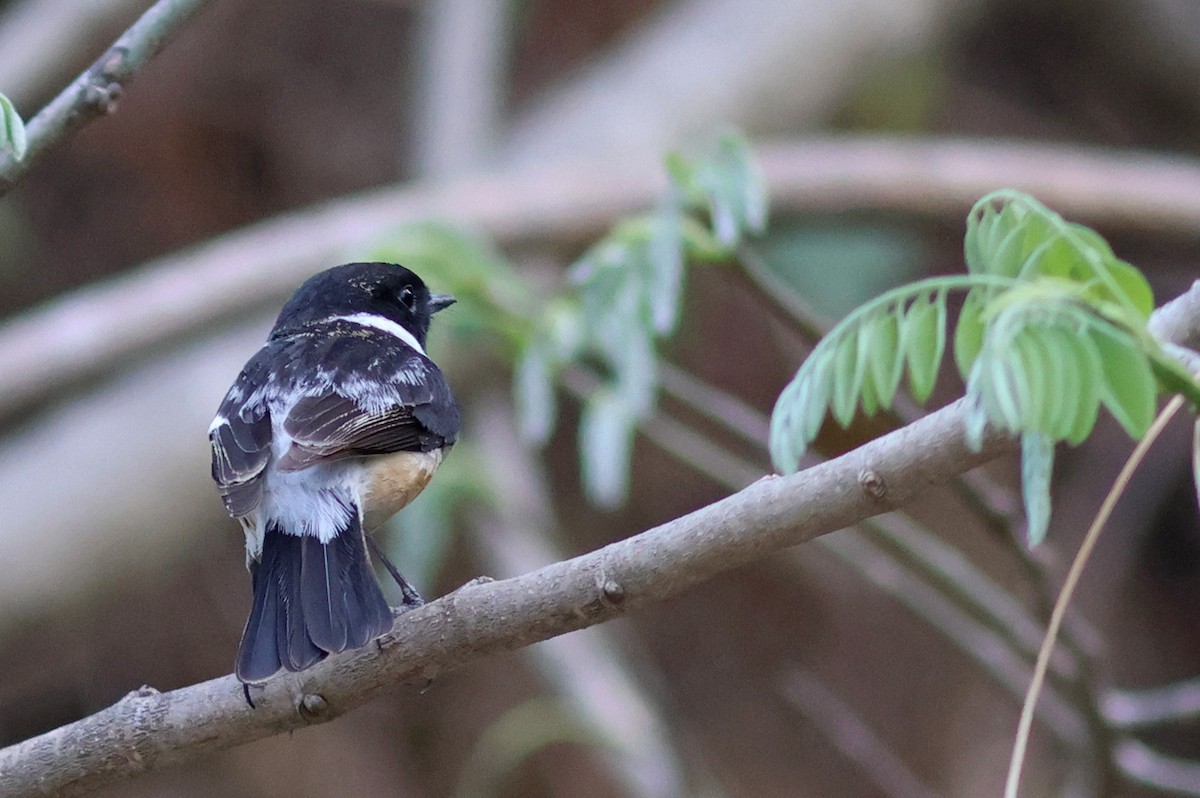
88, 332
94, 93
149, 730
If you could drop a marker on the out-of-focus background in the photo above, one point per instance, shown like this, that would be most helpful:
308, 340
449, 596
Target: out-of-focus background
845, 667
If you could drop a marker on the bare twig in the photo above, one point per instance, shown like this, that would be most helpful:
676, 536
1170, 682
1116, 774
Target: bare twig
31, 30
107, 323
94, 93
150, 730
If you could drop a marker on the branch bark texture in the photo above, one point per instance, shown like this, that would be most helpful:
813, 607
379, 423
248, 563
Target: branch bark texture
94, 93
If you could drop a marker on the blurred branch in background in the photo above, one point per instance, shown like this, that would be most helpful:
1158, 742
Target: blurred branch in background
32, 29
669, 80
107, 323
851, 736
463, 46
95, 93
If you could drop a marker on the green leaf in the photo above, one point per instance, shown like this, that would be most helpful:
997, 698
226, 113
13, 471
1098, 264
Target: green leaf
728, 182
925, 342
533, 387
1032, 378
845, 369
1006, 406
1132, 287
665, 286
1091, 376
636, 369
801, 410
968, 335
1007, 255
862, 361
1128, 388
818, 392
1066, 390
1037, 468
749, 176
12, 130
606, 430
1173, 377
977, 413
885, 357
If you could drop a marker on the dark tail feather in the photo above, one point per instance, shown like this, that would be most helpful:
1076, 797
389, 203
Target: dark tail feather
275, 635
343, 605
258, 654
310, 599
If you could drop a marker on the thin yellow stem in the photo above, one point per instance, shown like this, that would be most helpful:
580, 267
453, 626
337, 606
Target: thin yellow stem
1068, 589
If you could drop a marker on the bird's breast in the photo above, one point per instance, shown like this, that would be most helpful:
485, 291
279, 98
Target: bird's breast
394, 480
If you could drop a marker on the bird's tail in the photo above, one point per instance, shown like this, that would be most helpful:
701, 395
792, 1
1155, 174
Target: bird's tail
311, 599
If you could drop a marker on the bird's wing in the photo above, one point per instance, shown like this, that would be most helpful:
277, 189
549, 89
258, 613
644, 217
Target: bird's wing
395, 400
240, 436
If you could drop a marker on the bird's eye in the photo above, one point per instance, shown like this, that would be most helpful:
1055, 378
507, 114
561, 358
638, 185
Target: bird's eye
407, 297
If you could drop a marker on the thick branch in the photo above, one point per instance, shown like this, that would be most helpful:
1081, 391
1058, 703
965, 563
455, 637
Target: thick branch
94, 93
90, 331
148, 730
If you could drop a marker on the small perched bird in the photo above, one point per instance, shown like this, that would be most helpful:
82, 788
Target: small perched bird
337, 423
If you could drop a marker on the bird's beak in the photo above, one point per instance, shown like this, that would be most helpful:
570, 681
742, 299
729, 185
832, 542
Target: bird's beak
440, 302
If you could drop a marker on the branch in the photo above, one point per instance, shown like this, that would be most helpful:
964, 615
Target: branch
94, 93
67, 30
107, 323
599, 684
149, 730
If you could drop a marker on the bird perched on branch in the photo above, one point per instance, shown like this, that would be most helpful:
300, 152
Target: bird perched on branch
338, 422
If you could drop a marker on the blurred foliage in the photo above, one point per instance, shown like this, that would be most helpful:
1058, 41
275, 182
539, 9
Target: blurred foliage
621, 298
12, 130
898, 95
1052, 327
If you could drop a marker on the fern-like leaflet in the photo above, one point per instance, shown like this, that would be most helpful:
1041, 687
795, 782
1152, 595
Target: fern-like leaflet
1052, 327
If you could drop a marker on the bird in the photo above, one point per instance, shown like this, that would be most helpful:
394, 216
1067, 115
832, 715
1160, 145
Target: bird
333, 426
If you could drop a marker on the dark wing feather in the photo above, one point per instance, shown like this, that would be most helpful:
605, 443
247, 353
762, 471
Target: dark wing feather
241, 445
370, 411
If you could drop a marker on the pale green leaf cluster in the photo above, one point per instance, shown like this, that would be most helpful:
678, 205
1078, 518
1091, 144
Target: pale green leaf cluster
12, 130
621, 299
625, 296
1051, 329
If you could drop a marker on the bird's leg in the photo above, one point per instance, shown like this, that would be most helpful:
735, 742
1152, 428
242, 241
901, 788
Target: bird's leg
410, 598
